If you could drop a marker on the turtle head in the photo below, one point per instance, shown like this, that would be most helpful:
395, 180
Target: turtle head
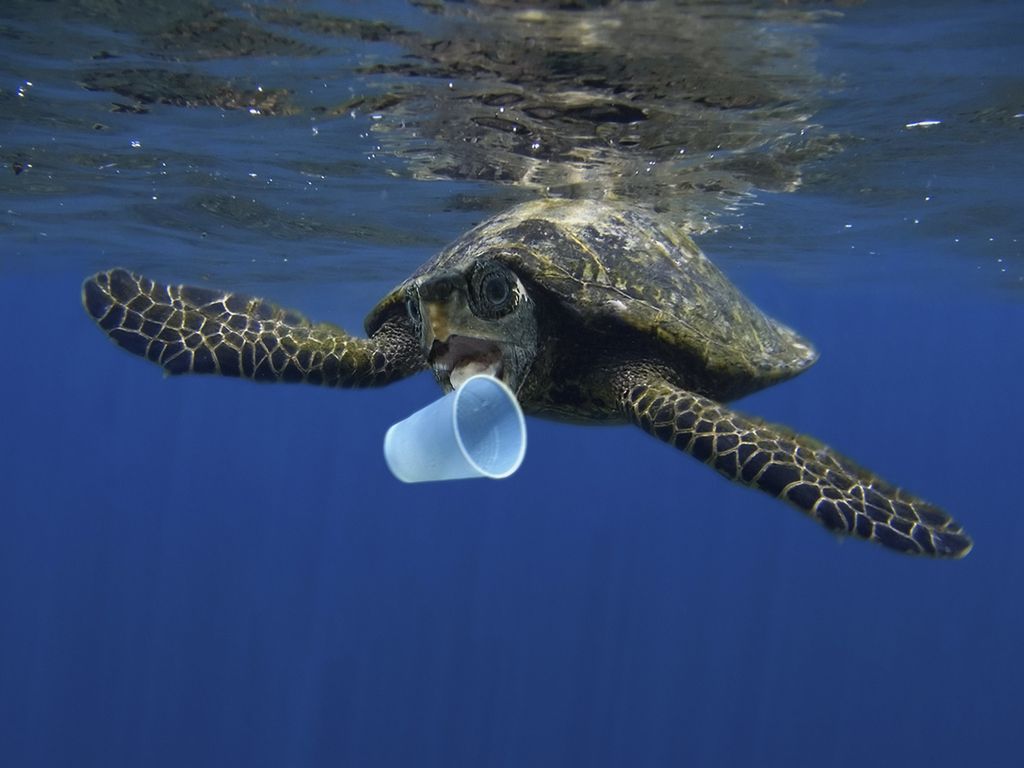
476, 319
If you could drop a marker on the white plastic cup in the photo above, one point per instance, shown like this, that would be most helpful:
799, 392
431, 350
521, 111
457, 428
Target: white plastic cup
476, 431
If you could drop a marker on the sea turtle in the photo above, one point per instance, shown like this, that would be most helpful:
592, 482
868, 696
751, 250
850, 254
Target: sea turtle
590, 313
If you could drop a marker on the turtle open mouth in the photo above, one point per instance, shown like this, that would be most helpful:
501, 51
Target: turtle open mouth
460, 357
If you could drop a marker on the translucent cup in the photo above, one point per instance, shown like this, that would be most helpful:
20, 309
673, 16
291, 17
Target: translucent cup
476, 431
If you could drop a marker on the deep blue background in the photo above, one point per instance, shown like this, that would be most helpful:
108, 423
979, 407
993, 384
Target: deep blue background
216, 572
213, 572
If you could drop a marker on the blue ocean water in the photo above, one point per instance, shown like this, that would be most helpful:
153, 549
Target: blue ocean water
197, 571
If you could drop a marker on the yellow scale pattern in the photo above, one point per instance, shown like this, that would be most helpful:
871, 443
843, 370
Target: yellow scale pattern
195, 330
815, 479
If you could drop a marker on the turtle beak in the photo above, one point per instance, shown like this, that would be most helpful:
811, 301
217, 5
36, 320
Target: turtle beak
435, 321
439, 299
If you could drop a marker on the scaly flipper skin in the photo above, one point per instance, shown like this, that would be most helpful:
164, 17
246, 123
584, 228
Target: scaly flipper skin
829, 487
196, 330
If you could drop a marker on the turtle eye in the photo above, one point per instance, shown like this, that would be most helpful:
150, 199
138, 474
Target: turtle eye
493, 290
412, 308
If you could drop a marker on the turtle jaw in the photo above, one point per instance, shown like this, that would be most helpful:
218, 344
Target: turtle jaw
459, 357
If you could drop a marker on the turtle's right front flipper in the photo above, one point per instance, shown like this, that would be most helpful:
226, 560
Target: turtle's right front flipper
795, 468
197, 330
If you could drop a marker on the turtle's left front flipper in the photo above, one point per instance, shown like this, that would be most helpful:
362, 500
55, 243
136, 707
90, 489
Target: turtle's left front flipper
795, 468
197, 330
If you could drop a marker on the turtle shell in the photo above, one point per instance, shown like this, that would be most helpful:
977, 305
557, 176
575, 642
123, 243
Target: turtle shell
627, 272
